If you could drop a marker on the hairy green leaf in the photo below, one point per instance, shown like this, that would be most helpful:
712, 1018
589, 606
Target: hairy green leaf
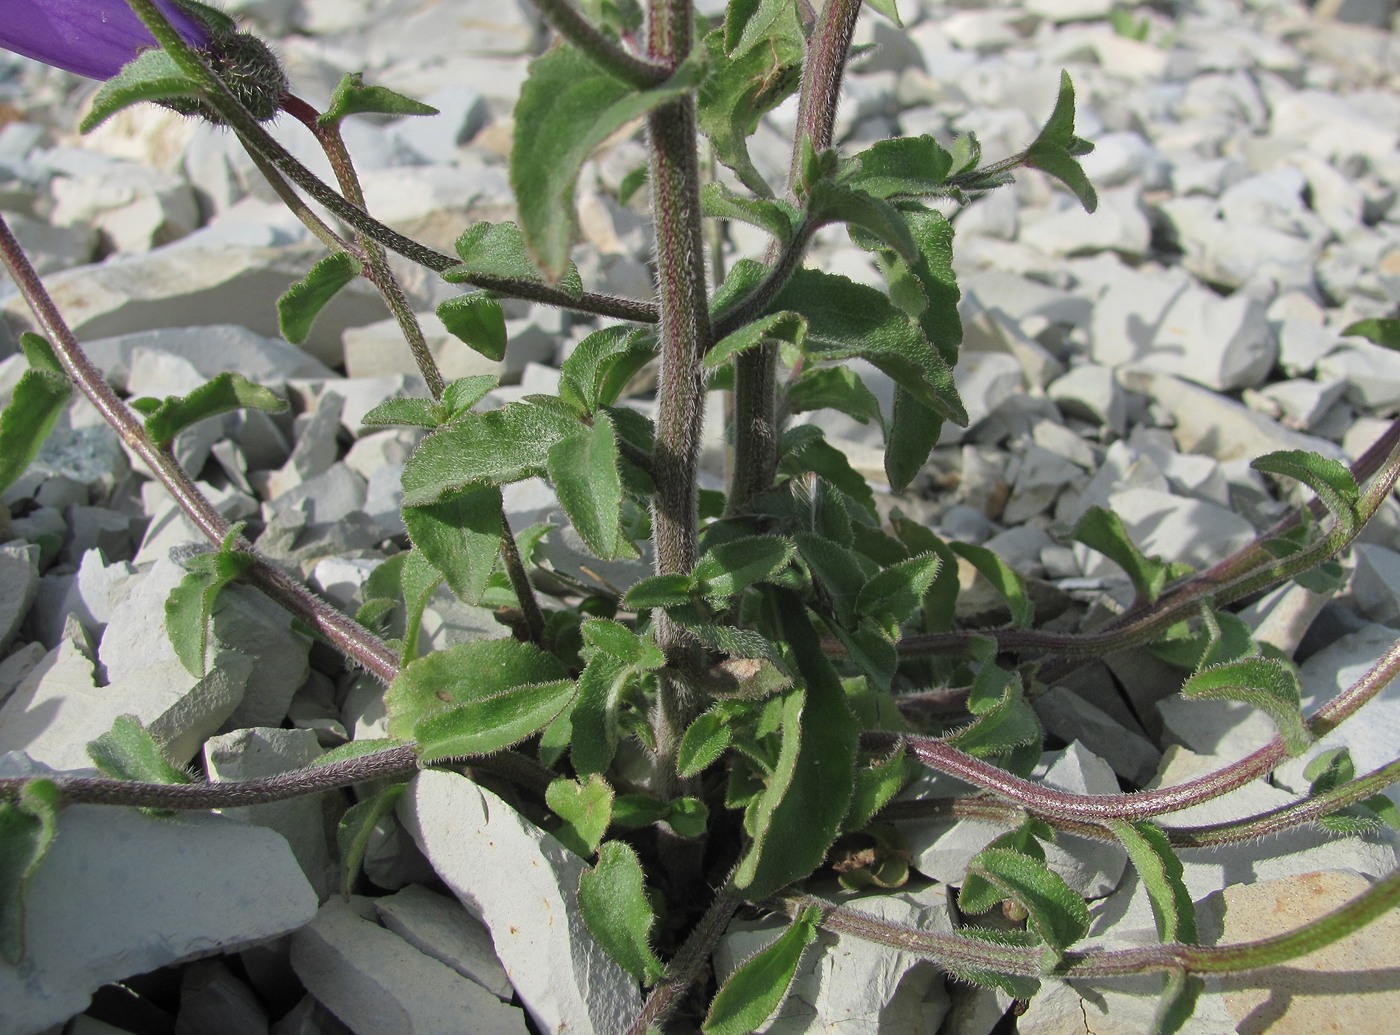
600, 366
1003, 579
1056, 149
301, 303
1055, 912
751, 994
594, 717
893, 595
876, 785
489, 724
779, 327
905, 167
40, 396
1180, 992
128, 752
704, 741
1161, 874
353, 97
836, 572
601, 636
835, 388
670, 590
613, 900
153, 75
728, 568
1003, 718
800, 811
1269, 684
584, 470
460, 535
223, 393
1102, 530
413, 413
566, 108
191, 603
472, 671
497, 251
914, 431
840, 203
496, 447
477, 320
27, 829
356, 826
846, 319
1329, 478
585, 808
778, 218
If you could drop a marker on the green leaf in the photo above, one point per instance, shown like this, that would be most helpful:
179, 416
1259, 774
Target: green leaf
1329, 478
1269, 684
835, 388
601, 365
820, 457
775, 327
892, 596
566, 108
613, 900
756, 989
490, 724
355, 828
1055, 912
585, 808
153, 75
224, 393
460, 536
671, 590
191, 603
741, 85
1161, 874
1056, 149
496, 447
27, 829
1102, 530
496, 252
595, 724
478, 320
1003, 579
876, 785
836, 571
727, 569
914, 431
838, 203
800, 810
413, 413
1003, 719
39, 354
472, 671
40, 396
940, 602
778, 218
128, 752
706, 739
1179, 995
904, 167
583, 468
1383, 332
606, 637
460, 395
301, 303
887, 8
353, 97
688, 817
846, 319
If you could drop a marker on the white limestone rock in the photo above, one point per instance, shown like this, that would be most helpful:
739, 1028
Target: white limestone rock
210, 350
1091, 392
135, 207
308, 823
195, 286
19, 582
520, 883
845, 985
1117, 225
121, 893
378, 984
1371, 373
440, 927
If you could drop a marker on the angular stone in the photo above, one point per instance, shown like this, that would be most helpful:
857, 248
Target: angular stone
1333, 988
1091, 392
521, 884
1371, 373
440, 927
308, 823
1040, 478
1067, 715
316, 447
211, 998
19, 582
18, 664
121, 893
135, 207
1117, 225
378, 984
844, 984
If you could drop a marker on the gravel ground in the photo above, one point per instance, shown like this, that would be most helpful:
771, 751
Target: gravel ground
1247, 166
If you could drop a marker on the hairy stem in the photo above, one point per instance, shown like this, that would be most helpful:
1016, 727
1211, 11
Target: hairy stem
686, 965
756, 371
570, 23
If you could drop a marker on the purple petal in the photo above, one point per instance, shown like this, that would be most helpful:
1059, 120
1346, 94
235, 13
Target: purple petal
93, 38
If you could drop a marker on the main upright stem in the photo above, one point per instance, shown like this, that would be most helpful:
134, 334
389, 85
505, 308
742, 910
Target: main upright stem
685, 335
